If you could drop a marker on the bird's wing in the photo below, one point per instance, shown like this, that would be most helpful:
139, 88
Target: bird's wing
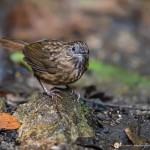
42, 56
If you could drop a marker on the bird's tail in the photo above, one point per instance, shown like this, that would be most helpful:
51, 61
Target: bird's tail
12, 44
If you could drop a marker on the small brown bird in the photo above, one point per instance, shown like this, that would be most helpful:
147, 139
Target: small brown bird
53, 62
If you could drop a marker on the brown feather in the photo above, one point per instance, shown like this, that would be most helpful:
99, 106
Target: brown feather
12, 44
39, 56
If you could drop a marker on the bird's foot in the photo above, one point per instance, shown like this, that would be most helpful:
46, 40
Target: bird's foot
72, 92
54, 92
70, 89
78, 97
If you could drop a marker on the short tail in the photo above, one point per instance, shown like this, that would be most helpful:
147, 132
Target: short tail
12, 44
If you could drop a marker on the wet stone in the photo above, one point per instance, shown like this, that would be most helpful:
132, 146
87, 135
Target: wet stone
47, 122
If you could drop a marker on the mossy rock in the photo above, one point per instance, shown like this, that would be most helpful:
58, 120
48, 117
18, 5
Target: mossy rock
47, 122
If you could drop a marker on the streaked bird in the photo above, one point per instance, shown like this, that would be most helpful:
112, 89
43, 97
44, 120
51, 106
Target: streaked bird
53, 62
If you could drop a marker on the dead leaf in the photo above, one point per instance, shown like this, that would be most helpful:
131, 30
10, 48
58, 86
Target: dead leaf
135, 139
8, 122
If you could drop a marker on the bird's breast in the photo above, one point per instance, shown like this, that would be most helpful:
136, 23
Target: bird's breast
70, 69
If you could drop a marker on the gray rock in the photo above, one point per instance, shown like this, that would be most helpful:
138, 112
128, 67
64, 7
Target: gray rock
48, 122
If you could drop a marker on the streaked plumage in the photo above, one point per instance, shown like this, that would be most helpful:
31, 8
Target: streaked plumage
54, 62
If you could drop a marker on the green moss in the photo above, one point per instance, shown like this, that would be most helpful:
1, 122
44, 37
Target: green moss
118, 74
19, 58
84, 108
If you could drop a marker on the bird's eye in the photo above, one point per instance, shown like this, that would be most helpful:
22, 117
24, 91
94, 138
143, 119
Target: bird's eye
75, 48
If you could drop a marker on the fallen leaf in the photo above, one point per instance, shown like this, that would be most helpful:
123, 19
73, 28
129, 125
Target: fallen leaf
135, 139
8, 122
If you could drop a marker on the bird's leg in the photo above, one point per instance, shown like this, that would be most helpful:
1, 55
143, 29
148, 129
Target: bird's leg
50, 92
44, 88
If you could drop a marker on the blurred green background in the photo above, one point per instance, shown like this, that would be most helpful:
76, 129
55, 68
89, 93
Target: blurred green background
116, 31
